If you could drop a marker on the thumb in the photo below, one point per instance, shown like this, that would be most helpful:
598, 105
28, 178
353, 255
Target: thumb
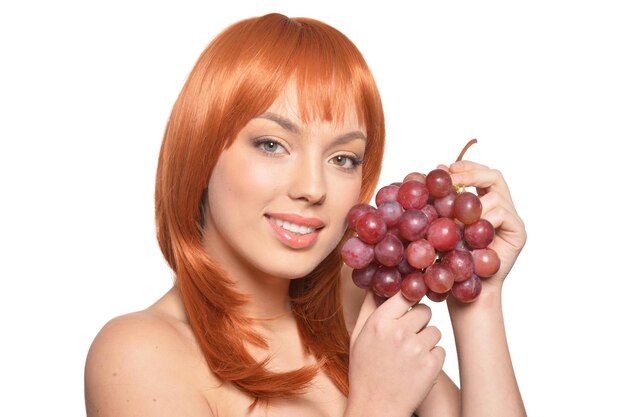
367, 308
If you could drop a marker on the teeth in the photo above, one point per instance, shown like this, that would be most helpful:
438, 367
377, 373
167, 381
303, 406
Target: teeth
292, 227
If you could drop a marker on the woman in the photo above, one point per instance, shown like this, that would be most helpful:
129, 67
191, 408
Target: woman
277, 132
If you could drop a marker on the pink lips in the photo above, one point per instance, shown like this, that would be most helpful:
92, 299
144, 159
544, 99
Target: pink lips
291, 239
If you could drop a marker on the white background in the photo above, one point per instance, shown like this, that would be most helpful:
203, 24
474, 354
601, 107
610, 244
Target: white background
85, 92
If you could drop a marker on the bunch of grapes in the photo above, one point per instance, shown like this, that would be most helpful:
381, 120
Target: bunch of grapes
425, 237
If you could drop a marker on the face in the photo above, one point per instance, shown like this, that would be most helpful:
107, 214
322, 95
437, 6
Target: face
279, 195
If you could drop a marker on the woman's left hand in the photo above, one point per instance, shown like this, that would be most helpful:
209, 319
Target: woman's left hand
498, 208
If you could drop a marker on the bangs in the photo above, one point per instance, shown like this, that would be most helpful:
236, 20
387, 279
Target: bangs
270, 52
328, 72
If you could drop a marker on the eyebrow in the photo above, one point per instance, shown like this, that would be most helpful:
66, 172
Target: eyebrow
292, 127
283, 122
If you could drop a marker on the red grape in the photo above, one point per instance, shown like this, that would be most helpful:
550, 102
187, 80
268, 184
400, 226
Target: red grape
413, 286
486, 262
420, 254
356, 212
356, 253
371, 227
415, 176
479, 234
362, 278
413, 194
389, 251
444, 234
431, 212
390, 212
438, 182
445, 204
460, 262
413, 225
437, 297
468, 290
387, 193
404, 267
439, 278
386, 281
467, 208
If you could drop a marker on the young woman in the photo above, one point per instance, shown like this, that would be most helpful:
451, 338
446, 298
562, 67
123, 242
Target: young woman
276, 134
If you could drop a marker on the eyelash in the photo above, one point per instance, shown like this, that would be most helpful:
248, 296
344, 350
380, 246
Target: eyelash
258, 143
356, 162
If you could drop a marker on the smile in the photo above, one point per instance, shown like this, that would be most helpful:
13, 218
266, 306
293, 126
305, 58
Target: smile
292, 227
295, 231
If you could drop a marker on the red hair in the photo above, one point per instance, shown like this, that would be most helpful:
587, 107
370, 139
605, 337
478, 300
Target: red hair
237, 77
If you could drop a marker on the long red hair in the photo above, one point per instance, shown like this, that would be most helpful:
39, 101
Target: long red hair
237, 77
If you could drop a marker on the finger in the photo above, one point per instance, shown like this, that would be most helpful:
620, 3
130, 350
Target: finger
485, 180
495, 199
430, 336
417, 318
367, 308
395, 307
509, 226
466, 165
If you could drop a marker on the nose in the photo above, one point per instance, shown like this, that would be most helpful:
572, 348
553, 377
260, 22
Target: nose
308, 182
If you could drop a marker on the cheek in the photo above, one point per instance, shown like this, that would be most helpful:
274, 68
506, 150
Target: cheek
237, 183
345, 197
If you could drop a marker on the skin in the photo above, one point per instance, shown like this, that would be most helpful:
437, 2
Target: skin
148, 363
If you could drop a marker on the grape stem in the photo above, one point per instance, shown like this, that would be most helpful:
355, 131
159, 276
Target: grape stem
470, 143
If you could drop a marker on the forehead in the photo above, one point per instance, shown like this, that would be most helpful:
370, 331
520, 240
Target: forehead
295, 107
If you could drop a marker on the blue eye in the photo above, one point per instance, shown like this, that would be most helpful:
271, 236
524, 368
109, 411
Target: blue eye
269, 146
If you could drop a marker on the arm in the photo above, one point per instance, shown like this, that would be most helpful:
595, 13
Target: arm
488, 384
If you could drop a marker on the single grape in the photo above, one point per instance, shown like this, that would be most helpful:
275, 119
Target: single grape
415, 176
386, 281
420, 254
444, 234
404, 267
467, 207
486, 262
445, 205
387, 193
389, 251
460, 262
413, 286
371, 228
413, 225
439, 278
355, 213
479, 234
437, 297
356, 253
431, 212
413, 194
362, 278
468, 290
439, 183
390, 212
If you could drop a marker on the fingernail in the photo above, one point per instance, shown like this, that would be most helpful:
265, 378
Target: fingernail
457, 166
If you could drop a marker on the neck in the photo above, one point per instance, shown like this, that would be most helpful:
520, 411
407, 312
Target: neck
268, 295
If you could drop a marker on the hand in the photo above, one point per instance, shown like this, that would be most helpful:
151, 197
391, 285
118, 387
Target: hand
498, 208
394, 360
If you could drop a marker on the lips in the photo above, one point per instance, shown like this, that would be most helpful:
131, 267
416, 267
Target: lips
293, 230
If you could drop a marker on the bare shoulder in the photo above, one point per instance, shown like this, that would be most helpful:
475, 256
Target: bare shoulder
352, 297
146, 363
